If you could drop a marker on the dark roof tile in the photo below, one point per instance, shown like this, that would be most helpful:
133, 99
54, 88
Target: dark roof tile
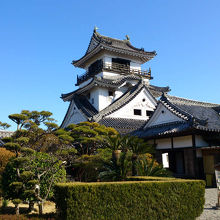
163, 129
123, 125
99, 42
84, 106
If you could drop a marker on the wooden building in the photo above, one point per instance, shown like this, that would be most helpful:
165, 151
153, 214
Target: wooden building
186, 134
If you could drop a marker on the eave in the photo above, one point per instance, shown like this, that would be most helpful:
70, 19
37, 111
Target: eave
140, 55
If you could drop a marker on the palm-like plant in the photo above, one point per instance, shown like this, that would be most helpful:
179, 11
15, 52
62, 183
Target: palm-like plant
116, 169
114, 143
151, 168
137, 146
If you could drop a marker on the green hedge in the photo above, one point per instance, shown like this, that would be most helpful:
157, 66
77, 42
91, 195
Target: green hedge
171, 199
149, 178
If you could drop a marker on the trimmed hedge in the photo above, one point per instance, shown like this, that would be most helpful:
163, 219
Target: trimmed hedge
171, 199
149, 178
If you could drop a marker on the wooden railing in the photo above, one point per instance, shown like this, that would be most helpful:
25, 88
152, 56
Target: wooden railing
117, 68
126, 69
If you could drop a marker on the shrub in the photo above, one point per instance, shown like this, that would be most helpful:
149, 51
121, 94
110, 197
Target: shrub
38, 163
5, 155
171, 199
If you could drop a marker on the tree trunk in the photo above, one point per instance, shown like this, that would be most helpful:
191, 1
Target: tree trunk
17, 209
40, 207
31, 206
134, 164
116, 154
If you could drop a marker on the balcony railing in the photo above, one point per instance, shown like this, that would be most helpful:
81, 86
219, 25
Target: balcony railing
116, 68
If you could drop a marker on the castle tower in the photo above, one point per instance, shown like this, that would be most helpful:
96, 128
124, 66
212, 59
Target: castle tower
114, 90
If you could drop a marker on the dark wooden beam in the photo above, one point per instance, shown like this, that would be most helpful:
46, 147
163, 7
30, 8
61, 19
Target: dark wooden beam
194, 155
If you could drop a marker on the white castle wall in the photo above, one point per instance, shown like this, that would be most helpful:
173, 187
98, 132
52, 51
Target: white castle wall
137, 103
161, 116
74, 116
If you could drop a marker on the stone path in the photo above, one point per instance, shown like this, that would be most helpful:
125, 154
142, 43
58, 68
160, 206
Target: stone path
210, 213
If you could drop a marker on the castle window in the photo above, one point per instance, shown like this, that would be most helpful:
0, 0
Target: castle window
110, 93
92, 100
88, 95
143, 100
95, 67
137, 111
149, 113
121, 61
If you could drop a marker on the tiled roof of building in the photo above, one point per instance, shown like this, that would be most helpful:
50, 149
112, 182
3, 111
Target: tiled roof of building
84, 106
203, 114
163, 129
156, 91
123, 125
99, 43
184, 101
196, 115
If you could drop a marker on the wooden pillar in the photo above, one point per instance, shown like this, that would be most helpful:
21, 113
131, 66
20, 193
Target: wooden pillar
158, 154
172, 159
172, 146
194, 155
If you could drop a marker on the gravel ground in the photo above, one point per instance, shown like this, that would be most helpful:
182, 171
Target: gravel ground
210, 212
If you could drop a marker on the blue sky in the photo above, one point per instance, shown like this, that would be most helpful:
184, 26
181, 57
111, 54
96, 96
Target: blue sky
40, 38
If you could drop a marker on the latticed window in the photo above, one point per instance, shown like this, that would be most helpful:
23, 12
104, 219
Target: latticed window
96, 67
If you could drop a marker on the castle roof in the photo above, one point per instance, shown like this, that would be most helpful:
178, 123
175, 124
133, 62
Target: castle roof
156, 91
100, 43
196, 116
91, 114
123, 125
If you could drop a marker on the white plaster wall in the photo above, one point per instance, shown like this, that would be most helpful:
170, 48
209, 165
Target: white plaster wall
85, 83
101, 98
161, 118
119, 92
137, 103
164, 143
74, 116
110, 75
107, 60
200, 142
94, 94
135, 65
184, 141
104, 98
